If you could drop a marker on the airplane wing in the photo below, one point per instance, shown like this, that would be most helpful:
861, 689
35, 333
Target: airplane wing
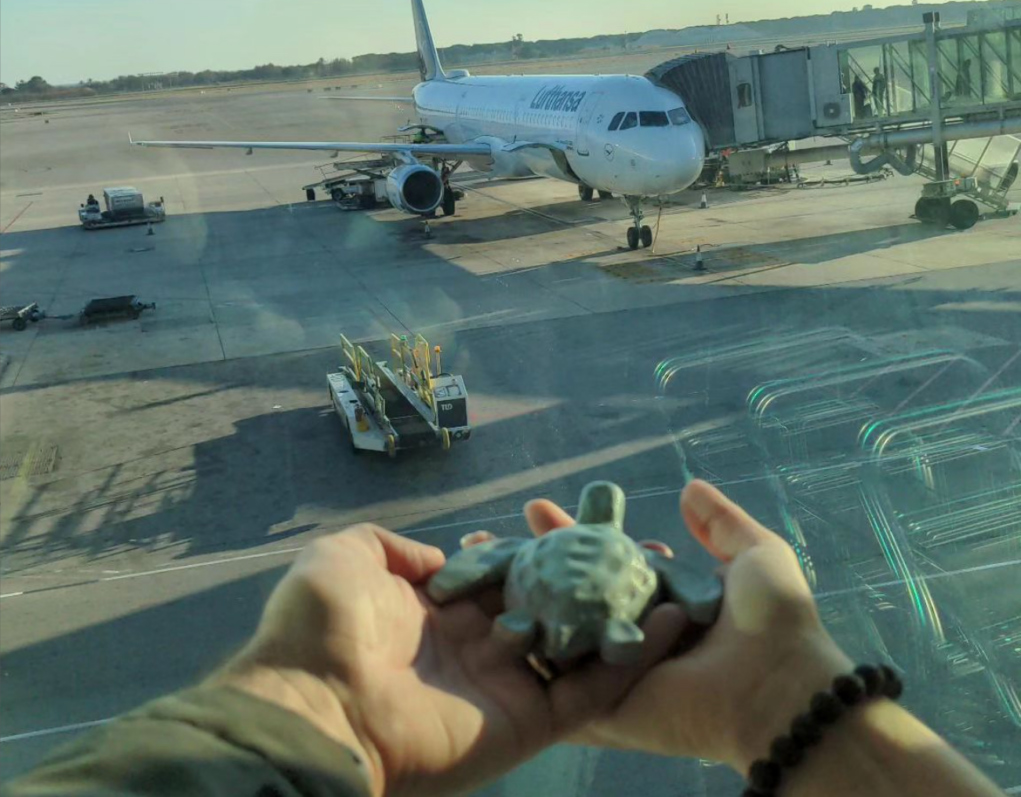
440, 150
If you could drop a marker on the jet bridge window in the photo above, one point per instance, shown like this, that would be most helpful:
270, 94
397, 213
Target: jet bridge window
654, 119
631, 120
744, 95
615, 122
679, 116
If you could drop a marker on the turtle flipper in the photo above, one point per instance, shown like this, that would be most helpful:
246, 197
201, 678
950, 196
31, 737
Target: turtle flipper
473, 569
602, 503
517, 629
621, 643
698, 593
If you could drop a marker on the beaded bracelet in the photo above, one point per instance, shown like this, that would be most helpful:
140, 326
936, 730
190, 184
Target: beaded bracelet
786, 752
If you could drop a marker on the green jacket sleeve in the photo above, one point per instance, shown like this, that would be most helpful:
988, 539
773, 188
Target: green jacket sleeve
204, 742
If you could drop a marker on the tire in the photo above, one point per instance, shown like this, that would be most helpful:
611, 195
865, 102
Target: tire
606, 194
19, 324
939, 214
922, 210
449, 202
964, 214
310, 194
646, 236
586, 193
632, 238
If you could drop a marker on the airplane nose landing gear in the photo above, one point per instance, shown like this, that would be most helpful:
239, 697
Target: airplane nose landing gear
639, 233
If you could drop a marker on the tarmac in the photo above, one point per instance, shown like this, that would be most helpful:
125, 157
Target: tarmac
852, 376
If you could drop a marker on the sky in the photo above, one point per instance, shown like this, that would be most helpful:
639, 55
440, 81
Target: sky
65, 41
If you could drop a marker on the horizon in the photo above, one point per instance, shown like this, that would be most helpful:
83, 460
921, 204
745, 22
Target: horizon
43, 37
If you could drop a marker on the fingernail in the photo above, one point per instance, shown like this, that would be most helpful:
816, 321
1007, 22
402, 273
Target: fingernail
701, 499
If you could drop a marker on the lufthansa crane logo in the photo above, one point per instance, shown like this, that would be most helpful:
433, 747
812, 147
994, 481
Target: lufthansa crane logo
608, 149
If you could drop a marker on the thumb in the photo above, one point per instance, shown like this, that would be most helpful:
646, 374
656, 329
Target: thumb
721, 526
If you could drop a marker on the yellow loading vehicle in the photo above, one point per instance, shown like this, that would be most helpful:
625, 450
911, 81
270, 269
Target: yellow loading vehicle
405, 404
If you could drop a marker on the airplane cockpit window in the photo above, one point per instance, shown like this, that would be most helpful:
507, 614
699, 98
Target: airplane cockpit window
615, 122
631, 120
679, 116
654, 119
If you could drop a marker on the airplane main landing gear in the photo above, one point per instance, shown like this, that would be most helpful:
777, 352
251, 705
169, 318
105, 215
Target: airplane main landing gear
586, 192
639, 233
449, 203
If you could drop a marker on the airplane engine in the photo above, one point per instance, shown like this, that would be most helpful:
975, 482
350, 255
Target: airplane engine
414, 189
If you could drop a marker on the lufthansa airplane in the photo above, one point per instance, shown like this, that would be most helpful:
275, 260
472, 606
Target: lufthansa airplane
615, 134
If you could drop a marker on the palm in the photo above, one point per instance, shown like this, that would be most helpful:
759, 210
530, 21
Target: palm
443, 703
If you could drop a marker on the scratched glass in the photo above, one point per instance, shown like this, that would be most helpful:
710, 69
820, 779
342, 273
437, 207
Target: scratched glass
790, 331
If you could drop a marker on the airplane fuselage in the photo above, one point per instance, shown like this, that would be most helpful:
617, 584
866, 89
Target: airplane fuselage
619, 133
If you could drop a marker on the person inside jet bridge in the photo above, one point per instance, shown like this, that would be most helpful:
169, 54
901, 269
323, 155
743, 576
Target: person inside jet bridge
354, 684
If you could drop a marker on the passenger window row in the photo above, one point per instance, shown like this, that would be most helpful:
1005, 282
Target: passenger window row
625, 120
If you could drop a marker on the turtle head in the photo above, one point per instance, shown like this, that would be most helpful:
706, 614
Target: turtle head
602, 504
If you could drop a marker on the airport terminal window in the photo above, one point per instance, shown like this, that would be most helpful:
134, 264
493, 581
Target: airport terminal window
654, 119
615, 122
679, 116
631, 120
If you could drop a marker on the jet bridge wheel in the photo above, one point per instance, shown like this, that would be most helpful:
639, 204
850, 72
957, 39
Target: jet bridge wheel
963, 214
931, 210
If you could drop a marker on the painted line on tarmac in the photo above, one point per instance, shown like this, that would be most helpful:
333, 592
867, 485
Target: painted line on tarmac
20, 737
478, 522
78, 726
20, 214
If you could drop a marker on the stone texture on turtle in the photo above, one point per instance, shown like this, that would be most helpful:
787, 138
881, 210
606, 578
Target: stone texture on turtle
579, 590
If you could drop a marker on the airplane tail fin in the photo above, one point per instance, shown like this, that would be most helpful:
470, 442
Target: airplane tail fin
428, 59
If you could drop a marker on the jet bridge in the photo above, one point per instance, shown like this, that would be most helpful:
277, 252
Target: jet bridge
896, 101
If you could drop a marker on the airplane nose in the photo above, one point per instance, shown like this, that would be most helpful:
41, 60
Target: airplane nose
689, 154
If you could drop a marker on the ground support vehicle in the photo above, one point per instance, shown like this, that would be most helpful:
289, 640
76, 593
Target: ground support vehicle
20, 315
409, 403
113, 307
125, 207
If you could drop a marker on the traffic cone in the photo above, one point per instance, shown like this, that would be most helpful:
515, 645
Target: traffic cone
699, 263
705, 201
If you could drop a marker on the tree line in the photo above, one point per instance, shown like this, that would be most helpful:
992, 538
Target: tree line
37, 88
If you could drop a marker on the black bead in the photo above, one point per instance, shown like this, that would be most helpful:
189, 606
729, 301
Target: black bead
765, 776
805, 731
893, 687
786, 752
849, 688
873, 678
826, 708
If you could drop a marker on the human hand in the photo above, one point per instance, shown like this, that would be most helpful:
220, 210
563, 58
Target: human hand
429, 699
739, 687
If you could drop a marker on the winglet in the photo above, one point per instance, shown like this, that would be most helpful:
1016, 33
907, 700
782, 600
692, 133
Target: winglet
130, 139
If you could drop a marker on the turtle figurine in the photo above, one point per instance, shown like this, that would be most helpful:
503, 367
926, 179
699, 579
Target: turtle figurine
580, 590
